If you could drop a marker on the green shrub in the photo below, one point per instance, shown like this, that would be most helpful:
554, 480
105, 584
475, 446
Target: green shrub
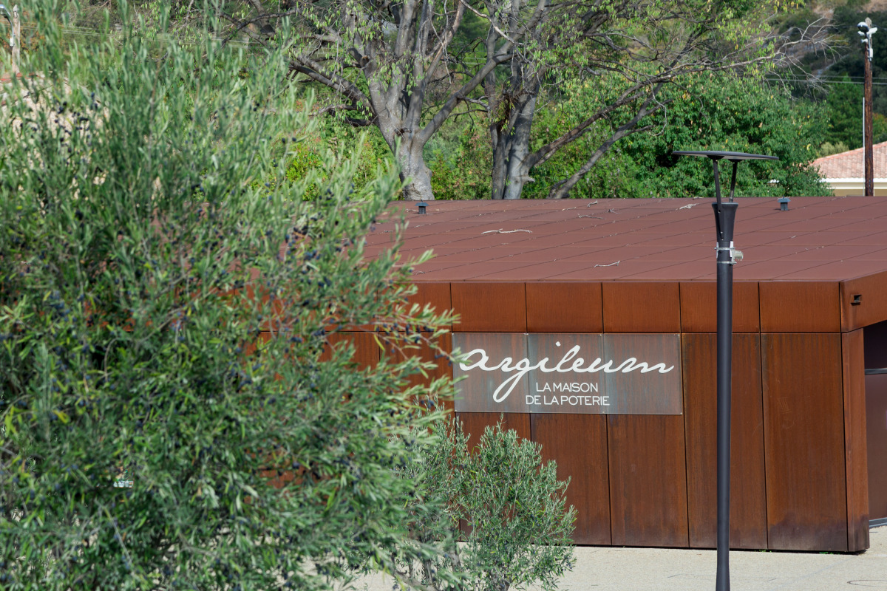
166, 319
460, 158
512, 506
728, 112
330, 136
827, 149
714, 111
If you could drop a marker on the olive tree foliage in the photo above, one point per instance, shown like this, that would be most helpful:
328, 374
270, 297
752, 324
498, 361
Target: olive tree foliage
169, 305
406, 66
517, 524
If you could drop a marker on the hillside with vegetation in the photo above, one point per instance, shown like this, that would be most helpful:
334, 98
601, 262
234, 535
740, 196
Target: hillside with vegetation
834, 76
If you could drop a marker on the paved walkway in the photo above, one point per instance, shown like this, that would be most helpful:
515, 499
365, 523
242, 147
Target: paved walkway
644, 569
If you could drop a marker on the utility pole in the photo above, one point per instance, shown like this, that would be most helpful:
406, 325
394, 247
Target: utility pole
867, 30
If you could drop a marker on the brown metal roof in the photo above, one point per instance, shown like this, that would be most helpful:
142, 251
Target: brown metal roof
818, 239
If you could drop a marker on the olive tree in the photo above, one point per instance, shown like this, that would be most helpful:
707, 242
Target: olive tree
507, 506
177, 411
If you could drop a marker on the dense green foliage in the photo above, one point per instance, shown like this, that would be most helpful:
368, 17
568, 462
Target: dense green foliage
163, 316
844, 104
715, 112
460, 153
505, 63
850, 64
517, 524
179, 247
736, 114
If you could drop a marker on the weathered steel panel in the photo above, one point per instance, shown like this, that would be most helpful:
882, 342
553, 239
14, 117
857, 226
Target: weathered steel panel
804, 441
748, 496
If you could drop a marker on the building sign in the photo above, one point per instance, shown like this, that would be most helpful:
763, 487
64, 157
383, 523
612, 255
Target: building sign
632, 374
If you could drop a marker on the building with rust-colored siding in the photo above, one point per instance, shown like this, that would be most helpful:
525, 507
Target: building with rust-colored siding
591, 329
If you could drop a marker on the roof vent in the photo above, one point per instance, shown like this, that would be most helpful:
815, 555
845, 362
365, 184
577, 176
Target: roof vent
783, 203
422, 206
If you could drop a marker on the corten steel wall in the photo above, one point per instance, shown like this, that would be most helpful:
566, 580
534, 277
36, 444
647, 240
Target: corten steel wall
799, 475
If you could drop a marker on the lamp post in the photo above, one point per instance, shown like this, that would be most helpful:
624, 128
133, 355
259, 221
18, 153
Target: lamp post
866, 30
727, 256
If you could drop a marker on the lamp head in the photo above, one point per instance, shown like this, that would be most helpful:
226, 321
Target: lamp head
866, 29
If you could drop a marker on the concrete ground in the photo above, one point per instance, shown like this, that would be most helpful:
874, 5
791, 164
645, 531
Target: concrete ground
646, 569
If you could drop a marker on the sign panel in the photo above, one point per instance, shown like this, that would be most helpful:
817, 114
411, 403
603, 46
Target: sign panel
631, 374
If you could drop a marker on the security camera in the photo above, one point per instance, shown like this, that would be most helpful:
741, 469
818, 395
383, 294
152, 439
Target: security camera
863, 28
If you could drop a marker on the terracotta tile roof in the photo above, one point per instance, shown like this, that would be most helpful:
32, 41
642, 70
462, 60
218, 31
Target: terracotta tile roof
819, 238
849, 165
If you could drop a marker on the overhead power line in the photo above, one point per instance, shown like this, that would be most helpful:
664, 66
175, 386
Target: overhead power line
809, 81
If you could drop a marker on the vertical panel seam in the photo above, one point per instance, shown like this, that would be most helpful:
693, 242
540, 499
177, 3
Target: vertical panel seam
764, 416
844, 430
610, 486
763, 440
684, 435
609, 475
604, 327
680, 317
848, 434
686, 486
840, 314
600, 285
526, 310
452, 307
761, 307
758, 299
684, 419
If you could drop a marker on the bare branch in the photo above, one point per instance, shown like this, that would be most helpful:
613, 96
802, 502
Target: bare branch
486, 18
458, 96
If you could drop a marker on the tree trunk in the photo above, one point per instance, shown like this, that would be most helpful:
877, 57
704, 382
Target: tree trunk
518, 170
498, 140
414, 172
511, 146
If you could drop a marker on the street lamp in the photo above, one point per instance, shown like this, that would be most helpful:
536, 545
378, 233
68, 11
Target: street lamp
866, 30
727, 256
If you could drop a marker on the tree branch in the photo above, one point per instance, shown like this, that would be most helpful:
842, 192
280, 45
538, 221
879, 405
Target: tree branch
304, 65
561, 189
